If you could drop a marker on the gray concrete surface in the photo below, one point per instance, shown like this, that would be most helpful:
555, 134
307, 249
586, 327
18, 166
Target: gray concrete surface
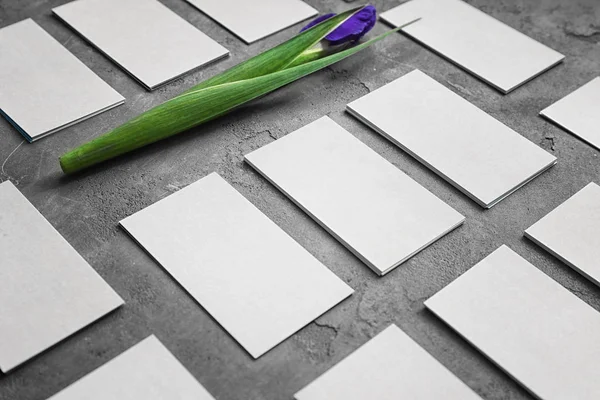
86, 208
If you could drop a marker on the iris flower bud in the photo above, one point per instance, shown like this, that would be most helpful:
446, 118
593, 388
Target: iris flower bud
350, 30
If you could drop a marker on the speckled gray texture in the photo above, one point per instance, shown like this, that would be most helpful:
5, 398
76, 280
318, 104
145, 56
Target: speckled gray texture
86, 209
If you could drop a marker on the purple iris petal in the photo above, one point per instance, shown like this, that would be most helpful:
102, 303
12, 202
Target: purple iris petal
352, 29
317, 20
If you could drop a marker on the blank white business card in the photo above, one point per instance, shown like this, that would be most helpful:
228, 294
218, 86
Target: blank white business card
147, 371
257, 19
578, 113
471, 150
571, 232
43, 87
47, 290
390, 366
484, 46
255, 280
149, 41
374, 209
541, 334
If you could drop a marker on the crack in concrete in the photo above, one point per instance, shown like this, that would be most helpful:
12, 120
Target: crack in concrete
551, 140
460, 88
361, 83
7, 158
271, 134
325, 325
317, 341
346, 74
589, 33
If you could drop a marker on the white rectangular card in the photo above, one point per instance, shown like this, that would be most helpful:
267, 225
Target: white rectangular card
149, 41
255, 280
571, 232
43, 87
484, 46
374, 209
541, 334
147, 371
578, 113
476, 153
254, 20
390, 366
47, 291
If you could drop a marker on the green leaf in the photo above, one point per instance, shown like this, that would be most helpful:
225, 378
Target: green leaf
193, 108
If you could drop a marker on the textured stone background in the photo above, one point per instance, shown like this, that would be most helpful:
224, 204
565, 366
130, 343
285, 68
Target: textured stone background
86, 208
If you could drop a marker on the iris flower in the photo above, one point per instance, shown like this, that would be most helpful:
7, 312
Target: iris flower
352, 29
298, 57
344, 36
